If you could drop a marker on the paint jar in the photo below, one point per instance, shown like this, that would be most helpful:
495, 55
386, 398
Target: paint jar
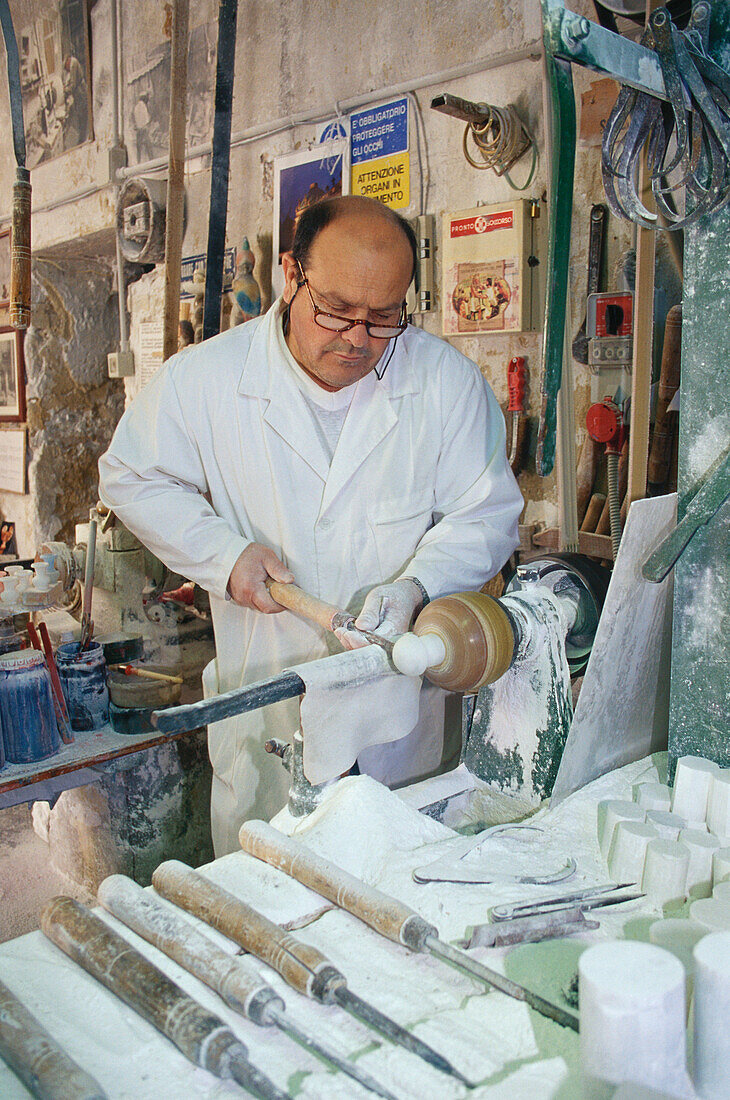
26, 707
632, 1018
711, 1011
83, 679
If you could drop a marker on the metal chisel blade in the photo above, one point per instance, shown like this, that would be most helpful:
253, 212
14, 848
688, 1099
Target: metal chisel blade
393, 1031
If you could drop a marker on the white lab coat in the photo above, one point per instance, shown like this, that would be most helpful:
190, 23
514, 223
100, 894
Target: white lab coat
219, 450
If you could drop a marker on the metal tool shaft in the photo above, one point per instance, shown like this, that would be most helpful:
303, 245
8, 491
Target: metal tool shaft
505, 985
300, 964
285, 1024
370, 1015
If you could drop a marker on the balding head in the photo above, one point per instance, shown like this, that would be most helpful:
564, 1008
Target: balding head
363, 217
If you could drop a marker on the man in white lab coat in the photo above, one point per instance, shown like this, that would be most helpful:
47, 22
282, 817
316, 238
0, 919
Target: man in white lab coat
330, 443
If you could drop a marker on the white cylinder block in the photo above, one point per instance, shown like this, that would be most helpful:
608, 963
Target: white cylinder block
711, 1015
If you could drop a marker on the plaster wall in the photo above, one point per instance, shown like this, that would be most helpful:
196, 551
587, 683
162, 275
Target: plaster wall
308, 58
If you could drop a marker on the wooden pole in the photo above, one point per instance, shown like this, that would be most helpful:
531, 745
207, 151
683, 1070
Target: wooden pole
175, 215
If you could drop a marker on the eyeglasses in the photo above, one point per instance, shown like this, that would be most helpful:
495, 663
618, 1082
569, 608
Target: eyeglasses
333, 323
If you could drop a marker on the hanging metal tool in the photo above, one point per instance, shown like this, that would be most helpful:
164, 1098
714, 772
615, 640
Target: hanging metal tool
87, 625
219, 170
304, 967
596, 239
202, 1037
691, 139
241, 987
714, 490
386, 915
516, 382
20, 236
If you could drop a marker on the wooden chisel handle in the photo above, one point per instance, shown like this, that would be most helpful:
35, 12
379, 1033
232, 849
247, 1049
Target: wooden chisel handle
304, 968
389, 917
37, 1059
200, 1035
20, 251
238, 984
301, 603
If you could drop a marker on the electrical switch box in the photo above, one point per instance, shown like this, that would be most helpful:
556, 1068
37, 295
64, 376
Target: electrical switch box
120, 364
490, 269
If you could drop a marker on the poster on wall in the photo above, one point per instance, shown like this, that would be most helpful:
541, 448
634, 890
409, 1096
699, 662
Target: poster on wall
483, 270
12, 376
301, 179
379, 153
147, 83
55, 76
12, 468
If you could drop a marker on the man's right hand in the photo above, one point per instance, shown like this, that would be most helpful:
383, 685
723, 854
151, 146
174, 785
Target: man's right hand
246, 583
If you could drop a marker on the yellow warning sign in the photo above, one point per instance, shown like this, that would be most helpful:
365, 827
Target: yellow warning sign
386, 179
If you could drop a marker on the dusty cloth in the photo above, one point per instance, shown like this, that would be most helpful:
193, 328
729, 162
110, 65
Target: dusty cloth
219, 450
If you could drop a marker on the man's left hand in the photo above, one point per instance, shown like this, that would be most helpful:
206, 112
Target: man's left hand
388, 610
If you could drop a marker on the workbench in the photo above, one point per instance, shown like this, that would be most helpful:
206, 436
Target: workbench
74, 765
380, 836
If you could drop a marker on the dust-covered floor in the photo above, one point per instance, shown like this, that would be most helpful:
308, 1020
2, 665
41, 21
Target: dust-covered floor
27, 878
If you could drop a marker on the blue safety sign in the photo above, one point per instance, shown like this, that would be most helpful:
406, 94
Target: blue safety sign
379, 131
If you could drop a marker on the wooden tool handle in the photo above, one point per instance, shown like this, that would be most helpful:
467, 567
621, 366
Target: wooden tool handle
145, 674
20, 252
238, 984
298, 964
40, 1063
389, 917
136, 981
301, 603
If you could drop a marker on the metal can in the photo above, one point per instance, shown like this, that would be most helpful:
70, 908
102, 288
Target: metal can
83, 679
27, 717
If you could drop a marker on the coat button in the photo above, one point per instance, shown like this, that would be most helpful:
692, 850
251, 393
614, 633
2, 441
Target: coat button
324, 524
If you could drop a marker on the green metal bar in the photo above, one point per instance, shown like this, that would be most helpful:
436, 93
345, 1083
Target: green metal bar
561, 125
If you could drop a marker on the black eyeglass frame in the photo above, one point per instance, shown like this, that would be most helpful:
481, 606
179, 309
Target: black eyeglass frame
394, 331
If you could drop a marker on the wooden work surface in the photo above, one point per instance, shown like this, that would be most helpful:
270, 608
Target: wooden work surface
88, 749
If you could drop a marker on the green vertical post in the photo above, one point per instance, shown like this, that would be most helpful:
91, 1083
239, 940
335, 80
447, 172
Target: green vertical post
699, 714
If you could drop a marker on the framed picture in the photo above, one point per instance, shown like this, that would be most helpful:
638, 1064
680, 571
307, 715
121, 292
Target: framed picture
301, 179
13, 441
12, 376
55, 76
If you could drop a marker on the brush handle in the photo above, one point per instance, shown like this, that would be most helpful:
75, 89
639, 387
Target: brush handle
37, 1059
200, 1035
386, 915
303, 967
235, 981
309, 607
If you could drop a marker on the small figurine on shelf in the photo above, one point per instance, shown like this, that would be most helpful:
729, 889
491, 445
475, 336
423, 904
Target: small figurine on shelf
245, 291
198, 302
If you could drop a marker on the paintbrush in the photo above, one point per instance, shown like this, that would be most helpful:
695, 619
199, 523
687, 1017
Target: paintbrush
87, 625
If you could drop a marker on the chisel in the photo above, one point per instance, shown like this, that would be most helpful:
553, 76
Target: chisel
240, 986
41, 1064
202, 1037
386, 915
304, 967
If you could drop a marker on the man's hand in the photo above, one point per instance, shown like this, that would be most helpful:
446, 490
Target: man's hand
388, 610
246, 583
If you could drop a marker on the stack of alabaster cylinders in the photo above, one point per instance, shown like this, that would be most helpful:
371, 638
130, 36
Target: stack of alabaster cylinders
632, 1019
711, 1048
674, 842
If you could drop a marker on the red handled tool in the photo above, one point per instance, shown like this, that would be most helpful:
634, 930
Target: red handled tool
59, 703
516, 385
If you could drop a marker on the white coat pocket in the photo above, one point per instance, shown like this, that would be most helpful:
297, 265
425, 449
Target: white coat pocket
398, 524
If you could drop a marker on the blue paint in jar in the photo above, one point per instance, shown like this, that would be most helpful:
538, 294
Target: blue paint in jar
83, 679
27, 717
